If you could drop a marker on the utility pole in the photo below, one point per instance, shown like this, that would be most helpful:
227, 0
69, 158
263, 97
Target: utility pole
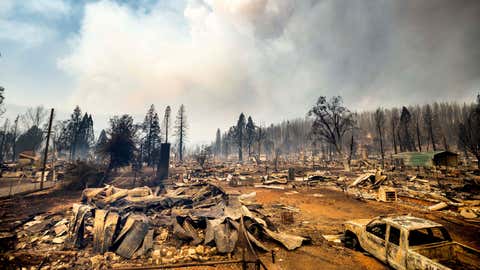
46, 148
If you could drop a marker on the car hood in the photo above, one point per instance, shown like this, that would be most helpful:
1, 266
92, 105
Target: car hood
359, 222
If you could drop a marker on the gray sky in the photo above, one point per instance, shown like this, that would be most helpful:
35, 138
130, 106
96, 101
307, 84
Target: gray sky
268, 58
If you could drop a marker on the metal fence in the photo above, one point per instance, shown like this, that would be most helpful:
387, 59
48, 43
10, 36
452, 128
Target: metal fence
18, 186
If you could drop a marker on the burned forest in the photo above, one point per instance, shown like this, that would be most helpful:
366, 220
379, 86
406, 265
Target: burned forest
252, 134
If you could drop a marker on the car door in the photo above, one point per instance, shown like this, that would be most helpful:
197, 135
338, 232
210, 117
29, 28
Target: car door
395, 251
375, 233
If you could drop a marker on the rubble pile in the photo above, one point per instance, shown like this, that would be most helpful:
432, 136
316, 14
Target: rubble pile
455, 198
187, 222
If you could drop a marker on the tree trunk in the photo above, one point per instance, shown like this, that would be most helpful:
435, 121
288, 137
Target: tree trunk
394, 138
432, 138
381, 148
418, 138
259, 148
240, 154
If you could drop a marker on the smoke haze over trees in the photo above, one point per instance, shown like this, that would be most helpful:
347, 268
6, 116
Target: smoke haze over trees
281, 54
410, 128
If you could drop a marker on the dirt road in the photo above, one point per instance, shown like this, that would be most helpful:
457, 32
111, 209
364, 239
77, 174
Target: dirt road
321, 210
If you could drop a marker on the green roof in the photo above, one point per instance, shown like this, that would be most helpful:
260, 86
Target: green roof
420, 158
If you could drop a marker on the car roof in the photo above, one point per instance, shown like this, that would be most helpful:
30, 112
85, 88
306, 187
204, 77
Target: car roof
411, 222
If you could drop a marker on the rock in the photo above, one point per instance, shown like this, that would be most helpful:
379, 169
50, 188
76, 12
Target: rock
110, 256
191, 251
168, 261
156, 254
96, 261
203, 258
163, 235
200, 250
212, 251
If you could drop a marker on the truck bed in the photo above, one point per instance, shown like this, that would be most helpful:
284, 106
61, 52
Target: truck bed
451, 254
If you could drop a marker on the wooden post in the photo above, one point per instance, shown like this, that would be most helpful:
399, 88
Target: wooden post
46, 148
244, 261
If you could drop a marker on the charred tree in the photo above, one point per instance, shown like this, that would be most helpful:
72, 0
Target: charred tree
416, 116
250, 134
260, 138
238, 132
394, 122
380, 126
429, 125
218, 143
14, 139
406, 140
331, 120
469, 131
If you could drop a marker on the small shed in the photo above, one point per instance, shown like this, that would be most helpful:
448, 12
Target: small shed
428, 159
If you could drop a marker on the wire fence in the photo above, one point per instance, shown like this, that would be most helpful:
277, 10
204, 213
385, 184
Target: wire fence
22, 185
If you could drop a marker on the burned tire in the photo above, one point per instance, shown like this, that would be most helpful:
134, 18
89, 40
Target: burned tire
351, 241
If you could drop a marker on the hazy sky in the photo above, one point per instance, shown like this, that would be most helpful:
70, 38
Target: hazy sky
268, 58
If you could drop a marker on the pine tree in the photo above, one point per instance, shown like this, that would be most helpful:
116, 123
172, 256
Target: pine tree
260, 137
102, 139
429, 126
218, 143
85, 136
406, 140
226, 145
250, 134
120, 145
181, 131
151, 127
238, 132
469, 131
73, 128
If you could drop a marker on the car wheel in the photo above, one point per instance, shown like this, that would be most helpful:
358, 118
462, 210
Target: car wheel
351, 241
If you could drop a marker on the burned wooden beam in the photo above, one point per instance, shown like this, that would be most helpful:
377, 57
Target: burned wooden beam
132, 235
98, 230
77, 226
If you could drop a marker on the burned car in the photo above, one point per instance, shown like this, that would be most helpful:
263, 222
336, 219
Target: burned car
408, 242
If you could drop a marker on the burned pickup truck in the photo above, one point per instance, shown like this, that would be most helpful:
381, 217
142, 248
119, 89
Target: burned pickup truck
407, 242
